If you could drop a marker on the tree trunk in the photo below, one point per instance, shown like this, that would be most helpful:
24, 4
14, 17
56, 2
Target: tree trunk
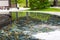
26, 3
55, 2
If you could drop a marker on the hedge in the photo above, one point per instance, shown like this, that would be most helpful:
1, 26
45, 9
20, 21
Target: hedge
39, 4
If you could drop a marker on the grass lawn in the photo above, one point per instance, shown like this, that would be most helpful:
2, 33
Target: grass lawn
48, 9
51, 9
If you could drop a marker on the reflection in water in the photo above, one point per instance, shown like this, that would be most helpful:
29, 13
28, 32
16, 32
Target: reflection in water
32, 29
54, 35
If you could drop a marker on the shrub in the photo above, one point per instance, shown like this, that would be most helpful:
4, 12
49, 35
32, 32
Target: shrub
22, 3
39, 4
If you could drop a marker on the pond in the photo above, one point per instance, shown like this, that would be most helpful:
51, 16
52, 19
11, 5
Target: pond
33, 26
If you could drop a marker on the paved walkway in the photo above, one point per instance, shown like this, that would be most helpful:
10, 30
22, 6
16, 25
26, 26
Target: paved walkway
4, 12
22, 10
46, 12
13, 10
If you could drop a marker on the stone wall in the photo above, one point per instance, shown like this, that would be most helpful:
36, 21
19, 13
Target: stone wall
4, 20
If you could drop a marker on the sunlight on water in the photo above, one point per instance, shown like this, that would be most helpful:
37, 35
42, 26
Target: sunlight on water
54, 35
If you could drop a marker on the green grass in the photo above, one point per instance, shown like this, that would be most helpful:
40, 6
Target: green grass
47, 9
51, 9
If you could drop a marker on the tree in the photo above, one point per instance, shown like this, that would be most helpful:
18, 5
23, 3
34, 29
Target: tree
26, 3
19, 1
55, 2
39, 4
